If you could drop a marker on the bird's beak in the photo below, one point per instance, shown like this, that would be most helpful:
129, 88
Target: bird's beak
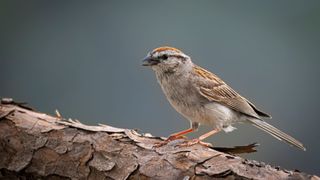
149, 61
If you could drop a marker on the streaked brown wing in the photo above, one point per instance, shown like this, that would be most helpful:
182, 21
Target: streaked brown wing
214, 89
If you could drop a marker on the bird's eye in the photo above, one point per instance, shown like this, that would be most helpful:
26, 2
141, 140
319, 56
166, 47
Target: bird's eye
164, 57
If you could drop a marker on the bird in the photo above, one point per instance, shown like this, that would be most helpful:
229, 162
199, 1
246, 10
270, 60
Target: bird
203, 98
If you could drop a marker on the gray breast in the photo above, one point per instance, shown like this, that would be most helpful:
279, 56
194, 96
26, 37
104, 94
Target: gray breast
182, 96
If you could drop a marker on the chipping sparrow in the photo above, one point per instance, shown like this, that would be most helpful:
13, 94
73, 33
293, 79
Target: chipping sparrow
203, 98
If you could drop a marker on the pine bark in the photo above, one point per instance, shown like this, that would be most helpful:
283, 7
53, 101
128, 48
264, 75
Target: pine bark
34, 145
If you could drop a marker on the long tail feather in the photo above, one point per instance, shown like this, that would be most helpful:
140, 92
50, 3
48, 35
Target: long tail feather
276, 133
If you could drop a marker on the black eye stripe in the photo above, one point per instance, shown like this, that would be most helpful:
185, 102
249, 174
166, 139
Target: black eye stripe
178, 57
164, 57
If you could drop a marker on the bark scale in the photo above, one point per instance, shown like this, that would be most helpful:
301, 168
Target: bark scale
34, 145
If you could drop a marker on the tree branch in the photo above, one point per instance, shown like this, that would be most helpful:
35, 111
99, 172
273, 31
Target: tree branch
35, 145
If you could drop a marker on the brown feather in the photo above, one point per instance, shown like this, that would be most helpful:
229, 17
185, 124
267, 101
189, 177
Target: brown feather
214, 89
165, 48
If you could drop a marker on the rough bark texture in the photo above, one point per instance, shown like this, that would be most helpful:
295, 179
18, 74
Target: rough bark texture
35, 145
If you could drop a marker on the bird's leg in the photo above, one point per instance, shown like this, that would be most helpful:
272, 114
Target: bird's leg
210, 133
179, 135
202, 137
174, 136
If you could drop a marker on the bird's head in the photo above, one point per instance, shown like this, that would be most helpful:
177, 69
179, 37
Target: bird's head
167, 59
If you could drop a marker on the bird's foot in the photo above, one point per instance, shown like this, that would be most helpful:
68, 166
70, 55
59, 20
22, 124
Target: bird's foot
193, 142
169, 139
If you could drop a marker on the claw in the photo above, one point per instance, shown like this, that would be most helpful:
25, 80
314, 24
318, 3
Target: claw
193, 142
160, 144
169, 139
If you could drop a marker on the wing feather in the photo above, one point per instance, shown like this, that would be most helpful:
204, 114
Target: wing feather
214, 89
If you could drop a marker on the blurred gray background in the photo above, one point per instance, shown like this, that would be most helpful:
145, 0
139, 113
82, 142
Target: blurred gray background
84, 59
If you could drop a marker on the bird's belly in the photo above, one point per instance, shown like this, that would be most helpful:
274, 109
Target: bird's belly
220, 116
212, 114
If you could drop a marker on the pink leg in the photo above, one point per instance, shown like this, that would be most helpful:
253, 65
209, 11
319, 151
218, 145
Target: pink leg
210, 133
174, 136
179, 134
202, 137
